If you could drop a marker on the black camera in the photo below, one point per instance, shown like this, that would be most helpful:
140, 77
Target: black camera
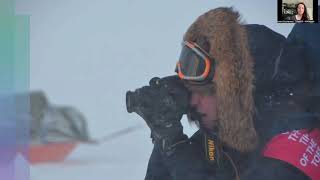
170, 87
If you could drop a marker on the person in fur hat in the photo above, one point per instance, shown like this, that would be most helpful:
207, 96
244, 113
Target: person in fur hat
252, 123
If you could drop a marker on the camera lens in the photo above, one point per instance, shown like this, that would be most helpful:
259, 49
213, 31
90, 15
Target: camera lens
129, 103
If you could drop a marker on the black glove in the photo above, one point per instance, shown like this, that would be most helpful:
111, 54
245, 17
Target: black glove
162, 106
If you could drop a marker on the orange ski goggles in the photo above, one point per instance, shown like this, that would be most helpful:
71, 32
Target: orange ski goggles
195, 64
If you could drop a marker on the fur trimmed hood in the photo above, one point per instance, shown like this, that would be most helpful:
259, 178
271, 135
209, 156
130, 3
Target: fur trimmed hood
234, 78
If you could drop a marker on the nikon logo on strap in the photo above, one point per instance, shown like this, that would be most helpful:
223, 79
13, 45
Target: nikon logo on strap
211, 149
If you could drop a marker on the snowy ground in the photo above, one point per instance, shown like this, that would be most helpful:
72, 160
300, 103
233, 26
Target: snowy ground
124, 157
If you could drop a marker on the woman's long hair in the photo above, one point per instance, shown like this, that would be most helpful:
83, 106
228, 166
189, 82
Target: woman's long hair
305, 16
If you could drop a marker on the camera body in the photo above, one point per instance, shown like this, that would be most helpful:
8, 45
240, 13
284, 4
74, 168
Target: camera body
169, 91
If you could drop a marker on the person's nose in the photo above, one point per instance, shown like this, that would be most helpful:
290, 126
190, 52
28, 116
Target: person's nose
195, 99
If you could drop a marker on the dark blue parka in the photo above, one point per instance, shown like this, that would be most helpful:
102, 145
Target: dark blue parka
189, 161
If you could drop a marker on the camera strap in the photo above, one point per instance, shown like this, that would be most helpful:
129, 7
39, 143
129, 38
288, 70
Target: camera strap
215, 154
212, 149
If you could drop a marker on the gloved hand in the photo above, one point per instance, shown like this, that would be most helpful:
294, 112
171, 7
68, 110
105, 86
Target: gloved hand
162, 110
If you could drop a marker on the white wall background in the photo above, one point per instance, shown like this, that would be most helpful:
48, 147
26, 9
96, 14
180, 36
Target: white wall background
89, 53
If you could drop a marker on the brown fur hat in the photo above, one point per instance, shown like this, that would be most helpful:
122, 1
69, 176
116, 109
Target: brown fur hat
226, 41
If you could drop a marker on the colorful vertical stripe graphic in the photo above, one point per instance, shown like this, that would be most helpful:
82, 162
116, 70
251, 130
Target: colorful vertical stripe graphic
14, 102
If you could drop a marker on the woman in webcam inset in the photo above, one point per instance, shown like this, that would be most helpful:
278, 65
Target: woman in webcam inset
302, 14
